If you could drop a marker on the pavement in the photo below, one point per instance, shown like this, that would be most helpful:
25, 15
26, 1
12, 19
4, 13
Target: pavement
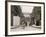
26, 28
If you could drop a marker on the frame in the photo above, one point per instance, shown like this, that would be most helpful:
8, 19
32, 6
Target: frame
10, 30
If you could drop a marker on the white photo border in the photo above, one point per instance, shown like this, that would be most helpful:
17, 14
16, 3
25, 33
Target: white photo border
22, 3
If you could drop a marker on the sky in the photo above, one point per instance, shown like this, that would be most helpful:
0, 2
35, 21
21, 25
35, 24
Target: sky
26, 9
